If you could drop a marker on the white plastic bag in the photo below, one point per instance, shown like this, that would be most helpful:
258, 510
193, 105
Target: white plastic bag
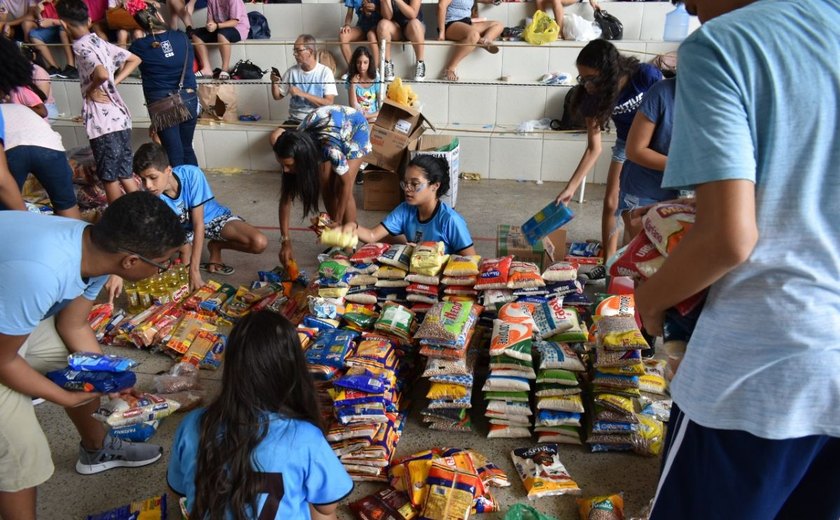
578, 28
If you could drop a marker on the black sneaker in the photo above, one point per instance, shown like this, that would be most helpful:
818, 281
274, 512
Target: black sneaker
54, 72
70, 72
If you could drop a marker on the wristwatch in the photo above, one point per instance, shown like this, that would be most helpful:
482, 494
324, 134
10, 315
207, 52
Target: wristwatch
284, 238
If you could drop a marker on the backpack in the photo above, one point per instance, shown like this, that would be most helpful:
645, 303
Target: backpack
259, 26
611, 27
244, 69
572, 118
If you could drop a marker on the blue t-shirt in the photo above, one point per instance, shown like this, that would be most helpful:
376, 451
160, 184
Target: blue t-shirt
294, 449
628, 100
458, 10
364, 19
765, 354
445, 225
162, 66
40, 269
658, 106
193, 191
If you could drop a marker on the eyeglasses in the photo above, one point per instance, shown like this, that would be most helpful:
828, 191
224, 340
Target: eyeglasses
415, 187
298, 52
583, 80
162, 268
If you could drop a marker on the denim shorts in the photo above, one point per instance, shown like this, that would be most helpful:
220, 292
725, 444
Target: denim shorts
628, 202
51, 169
618, 154
50, 34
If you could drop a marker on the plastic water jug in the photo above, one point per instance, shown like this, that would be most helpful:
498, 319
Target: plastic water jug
676, 24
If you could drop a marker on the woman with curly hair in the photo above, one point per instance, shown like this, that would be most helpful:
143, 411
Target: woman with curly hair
16, 84
613, 87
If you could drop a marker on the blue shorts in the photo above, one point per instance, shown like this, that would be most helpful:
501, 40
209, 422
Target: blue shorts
50, 34
618, 154
710, 473
628, 201
51, 169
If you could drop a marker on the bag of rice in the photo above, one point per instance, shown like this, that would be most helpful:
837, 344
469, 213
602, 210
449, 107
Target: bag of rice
422, 279
398, 255
368, 253
361, 280
512, 339
575, 334
363, 298
640, 259
459, 280
506, 384
385, 282
666, 224
551, 318
387, 272
493, 273
560, 272
565, 403
518, 312
505, 431
523, 275
558, 355
428, 258
462, 266
542, 473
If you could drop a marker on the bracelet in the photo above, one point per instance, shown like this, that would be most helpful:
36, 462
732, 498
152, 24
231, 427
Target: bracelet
284, 238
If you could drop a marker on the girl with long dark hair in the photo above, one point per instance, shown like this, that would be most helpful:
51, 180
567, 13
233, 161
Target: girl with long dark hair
363, 84
258, 450
165, 54
16, 83
321, 156
614, 85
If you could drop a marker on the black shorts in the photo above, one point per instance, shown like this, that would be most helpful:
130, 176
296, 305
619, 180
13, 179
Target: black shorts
112, 153
467, 21
230, 33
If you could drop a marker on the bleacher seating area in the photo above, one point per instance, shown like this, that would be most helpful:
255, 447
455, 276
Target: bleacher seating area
481, 109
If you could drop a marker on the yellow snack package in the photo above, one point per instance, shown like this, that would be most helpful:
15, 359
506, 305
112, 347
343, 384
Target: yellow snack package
335, 238
450, 493
446, 391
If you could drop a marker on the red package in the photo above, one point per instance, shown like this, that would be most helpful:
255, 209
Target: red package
368, 253
640, 260
493, 273
425, 290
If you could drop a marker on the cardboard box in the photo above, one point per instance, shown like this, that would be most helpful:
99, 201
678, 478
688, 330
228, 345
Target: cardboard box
395, 128
511, 241
430, 145
381, 190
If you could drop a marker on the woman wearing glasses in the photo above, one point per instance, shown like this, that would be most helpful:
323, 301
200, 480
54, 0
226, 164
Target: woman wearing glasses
321, 157
423, 216
614, 86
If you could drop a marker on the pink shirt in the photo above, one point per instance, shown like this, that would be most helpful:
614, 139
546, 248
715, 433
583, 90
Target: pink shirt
42, 79
101, 118
223, 10
96, 9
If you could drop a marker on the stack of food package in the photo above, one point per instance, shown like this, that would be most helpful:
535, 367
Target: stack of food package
558, 395
447, 482
460, 277
615, 384
444, 337
391, 272
426, 264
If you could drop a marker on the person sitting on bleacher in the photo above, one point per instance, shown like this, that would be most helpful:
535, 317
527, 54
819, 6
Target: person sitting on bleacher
227, 22
455, 24
557, 8
403, 19
369, 16
311, 84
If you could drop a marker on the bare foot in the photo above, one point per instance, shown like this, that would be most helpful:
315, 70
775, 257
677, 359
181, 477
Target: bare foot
449, 75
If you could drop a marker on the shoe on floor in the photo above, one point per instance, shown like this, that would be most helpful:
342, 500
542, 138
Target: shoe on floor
599, 272
54, 72
70, 72
420, 71
38, 400
389, 71
117, 453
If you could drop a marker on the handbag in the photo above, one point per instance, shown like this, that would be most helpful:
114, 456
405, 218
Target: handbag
611, 27
171, 110
118, 18
244, 69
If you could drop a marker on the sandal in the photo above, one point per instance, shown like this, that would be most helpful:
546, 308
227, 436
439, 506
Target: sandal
489, 46
217, 268
224, 76
449, 75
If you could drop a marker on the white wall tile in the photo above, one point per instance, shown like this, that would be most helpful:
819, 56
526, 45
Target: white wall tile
267, 56
554, 98
479, 65
517, 12
475, 154
472, 104
284, 20
636, 49
278, 110
653, 21
322, 20
517, 104
198, 145
525, 63
516, 158
74, 98
434, 98
58, 90
560, 156
262, 157
199, 18
494, 12
237, 52
226, 149
81, 136
562, 58
253, 99
132, 93
68, 136
654, 48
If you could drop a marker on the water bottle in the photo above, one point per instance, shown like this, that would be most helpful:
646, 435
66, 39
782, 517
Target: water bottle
676, 24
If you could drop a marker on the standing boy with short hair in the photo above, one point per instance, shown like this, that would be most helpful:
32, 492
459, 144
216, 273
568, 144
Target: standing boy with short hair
102, 67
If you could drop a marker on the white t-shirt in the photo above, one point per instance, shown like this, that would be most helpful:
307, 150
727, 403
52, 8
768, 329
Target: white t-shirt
319, 82
28, 129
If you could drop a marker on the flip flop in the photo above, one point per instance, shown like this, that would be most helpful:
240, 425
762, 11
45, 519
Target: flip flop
489, 46
224, 76
220, 269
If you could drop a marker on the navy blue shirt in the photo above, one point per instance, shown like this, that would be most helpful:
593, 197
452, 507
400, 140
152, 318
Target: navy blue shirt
399, 18
658, 106
628, 100
161, 67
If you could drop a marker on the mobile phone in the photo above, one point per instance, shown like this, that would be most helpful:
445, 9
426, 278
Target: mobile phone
275, 71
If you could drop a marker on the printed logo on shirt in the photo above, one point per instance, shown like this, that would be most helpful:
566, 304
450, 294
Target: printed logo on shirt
630, 105
168, 51
418, 236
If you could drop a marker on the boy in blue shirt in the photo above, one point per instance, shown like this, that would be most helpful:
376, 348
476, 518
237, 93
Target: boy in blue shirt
185, 189
755, 429
51, 270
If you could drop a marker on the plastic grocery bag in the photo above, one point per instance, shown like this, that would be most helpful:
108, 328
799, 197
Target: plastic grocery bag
542, 29
525, 512
578, 28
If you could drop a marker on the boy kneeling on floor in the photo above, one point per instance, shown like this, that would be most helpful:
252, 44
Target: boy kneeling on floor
185, 189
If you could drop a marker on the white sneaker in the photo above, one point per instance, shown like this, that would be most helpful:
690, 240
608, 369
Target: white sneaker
389, 71
420, 71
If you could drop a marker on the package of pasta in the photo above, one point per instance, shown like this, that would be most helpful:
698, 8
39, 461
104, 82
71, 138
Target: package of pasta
560, 272
511, 339
462, 265
428, 259
552, 318
542, 473
397, 255
447, 324
395, 319
387, 504
558, 355
368, 253
94, 362
86, 381
523, 275
666, 224
493, 273
606, 507
129, 409
206, 291
330, 348
451, 493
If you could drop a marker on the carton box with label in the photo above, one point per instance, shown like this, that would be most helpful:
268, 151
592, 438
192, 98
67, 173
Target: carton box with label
511, 241
447, 147
381, 190
396, 127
